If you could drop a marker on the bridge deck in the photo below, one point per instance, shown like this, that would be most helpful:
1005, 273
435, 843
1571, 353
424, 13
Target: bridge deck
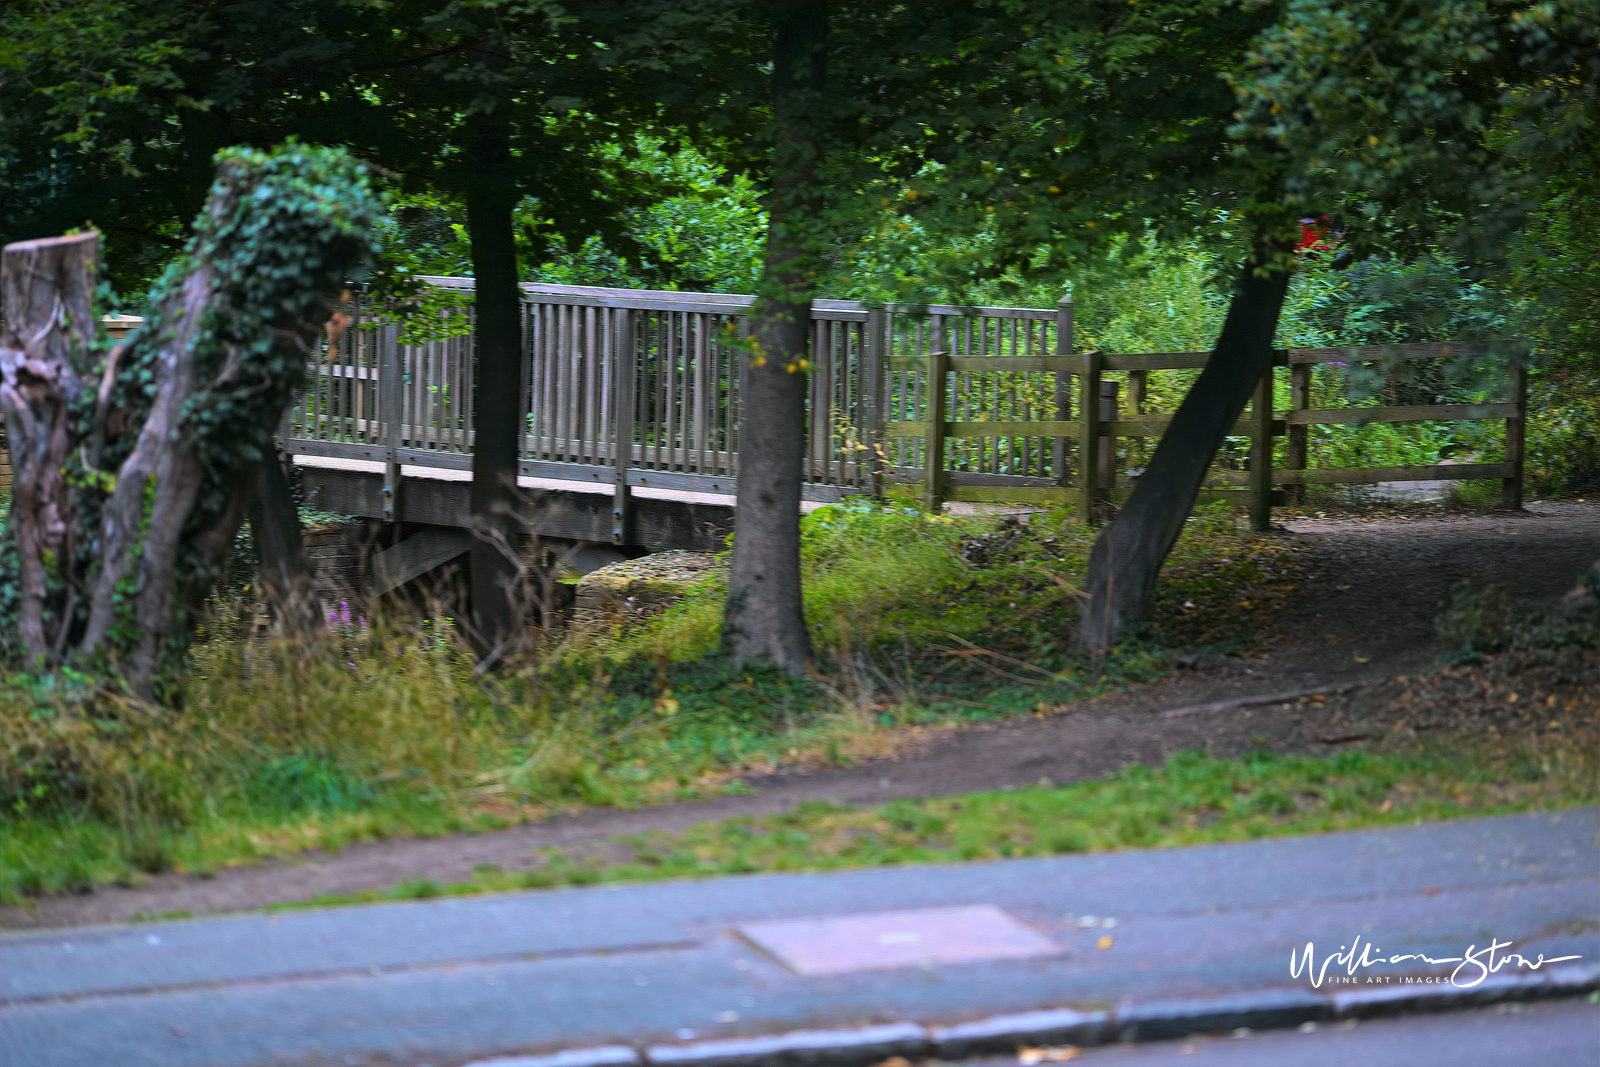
557, 510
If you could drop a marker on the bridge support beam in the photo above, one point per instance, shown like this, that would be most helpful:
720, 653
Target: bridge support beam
416, 556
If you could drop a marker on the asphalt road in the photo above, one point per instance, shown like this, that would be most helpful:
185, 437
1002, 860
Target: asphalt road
1147, 944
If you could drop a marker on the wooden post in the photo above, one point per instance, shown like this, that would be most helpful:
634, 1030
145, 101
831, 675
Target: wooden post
937, 373
625, 368
1261, 455
391, 376
1138, 385
1516, 426
1106, 470
1064, 341
1088, 436
1299, 400
871, 389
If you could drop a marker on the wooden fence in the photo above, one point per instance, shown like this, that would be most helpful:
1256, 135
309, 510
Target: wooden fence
631, 388
1100, 423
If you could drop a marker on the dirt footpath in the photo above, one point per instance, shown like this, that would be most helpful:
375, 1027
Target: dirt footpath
1362, 627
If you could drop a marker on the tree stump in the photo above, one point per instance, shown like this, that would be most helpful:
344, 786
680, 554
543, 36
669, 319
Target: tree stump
46, 293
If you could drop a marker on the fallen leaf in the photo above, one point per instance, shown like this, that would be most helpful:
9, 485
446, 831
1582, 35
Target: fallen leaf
1104, 942
1028, 1057
1362, 659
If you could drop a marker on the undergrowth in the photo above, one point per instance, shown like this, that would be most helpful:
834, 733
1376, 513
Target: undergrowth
385, 729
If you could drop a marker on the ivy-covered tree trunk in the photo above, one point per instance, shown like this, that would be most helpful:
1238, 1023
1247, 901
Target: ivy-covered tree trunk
140, 460
499, 601
764, 618
1128, 554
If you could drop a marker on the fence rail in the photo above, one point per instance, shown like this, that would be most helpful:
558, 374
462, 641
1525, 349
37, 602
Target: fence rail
1099, 423
634, 388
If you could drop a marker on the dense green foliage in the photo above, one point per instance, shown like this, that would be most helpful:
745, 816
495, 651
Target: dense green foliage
957, 187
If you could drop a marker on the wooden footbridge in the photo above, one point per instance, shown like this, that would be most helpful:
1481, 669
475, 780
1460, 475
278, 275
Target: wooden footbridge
632, 401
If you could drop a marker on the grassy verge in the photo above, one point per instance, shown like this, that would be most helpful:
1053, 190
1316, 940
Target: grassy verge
1192, 799
385, 730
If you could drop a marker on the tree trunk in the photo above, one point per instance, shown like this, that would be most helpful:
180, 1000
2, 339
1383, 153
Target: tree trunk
1129, 552
497, 574
142, 520
764, 619
285, 576
131, 496
46, 292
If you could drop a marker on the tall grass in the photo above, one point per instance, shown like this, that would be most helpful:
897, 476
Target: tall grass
384, 727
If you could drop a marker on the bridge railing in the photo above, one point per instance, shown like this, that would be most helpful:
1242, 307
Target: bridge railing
632, 388
642, 388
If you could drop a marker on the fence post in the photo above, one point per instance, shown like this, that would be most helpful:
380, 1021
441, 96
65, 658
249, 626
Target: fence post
937, 373
1106, 459
1299, 400
871, 389
625, 371
1517, 394
390, 374
1064, 343
1088, 435
1261, 454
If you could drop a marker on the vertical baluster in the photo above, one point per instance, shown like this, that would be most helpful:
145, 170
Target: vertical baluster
736, 387
832, 410
676, 390
625, 366
569, 382
390, 397
535, 420
451, 435
548, 347
697, 456
872, 391
938, 363
434, 393
850, 401
470, 374
670, 354
588, 452
1063, 380
1088, 437
820, 338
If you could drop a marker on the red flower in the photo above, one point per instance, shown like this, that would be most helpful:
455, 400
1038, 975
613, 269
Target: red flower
1316, 234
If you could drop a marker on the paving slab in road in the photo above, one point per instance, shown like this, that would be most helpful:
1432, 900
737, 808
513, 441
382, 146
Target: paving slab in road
1137, 944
